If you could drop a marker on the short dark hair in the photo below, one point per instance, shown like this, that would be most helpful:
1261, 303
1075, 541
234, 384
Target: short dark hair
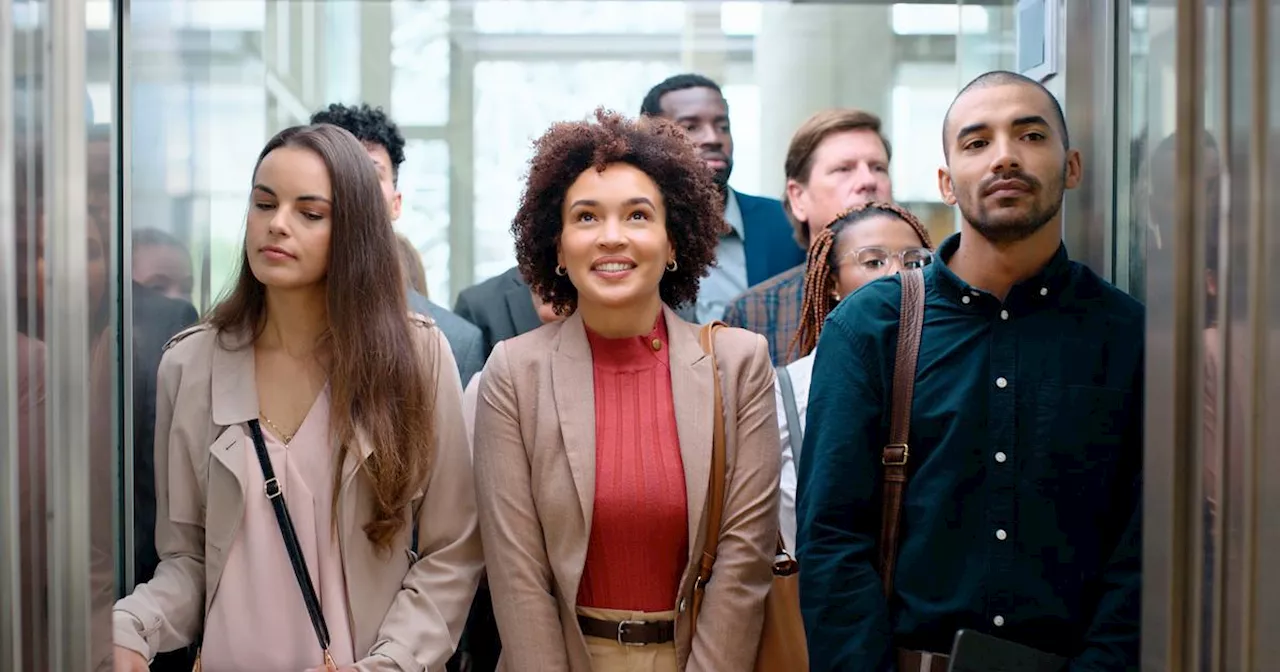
370, 125
1002, 78
652, 105
695, 212
150, 237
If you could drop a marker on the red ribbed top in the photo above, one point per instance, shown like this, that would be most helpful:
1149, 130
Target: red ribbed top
639, 529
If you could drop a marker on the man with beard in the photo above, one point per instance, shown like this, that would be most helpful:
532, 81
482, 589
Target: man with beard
757, 242
1020, 517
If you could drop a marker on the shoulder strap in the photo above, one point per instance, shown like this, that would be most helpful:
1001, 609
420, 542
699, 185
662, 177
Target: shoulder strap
271, 487
715, 493
784, 562
896, 452
795, 436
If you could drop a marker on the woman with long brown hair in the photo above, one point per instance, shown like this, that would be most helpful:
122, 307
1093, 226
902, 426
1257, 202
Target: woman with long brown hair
862, 244
315, 506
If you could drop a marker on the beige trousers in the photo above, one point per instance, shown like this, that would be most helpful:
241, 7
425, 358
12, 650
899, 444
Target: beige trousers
607, 655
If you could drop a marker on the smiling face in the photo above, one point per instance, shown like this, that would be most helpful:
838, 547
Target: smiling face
1007, 166
613, 242
289, 223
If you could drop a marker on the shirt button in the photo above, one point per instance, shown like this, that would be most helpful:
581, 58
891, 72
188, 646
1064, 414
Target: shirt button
1044, 291
680, 607
1002, 535
657, 345
1001, 457
965, 299
1004, 314
998, 620
1001, 382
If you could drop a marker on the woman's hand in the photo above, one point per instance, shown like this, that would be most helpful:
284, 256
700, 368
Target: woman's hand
128, 660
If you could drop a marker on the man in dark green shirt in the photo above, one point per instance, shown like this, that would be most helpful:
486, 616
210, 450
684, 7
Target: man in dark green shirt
1021, 516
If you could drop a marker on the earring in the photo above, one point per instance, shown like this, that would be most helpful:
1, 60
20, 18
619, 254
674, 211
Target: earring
561, 270
672, 266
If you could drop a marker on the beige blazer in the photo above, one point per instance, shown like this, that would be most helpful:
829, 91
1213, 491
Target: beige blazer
535, 455
404, 617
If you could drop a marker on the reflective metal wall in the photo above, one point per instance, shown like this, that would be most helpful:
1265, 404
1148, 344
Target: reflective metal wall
1204, 230
58, 335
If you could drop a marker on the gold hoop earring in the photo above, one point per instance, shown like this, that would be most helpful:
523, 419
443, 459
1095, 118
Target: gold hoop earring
672, 266
561, 270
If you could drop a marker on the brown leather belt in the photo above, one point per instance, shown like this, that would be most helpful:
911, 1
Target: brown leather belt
629, 633
919, 661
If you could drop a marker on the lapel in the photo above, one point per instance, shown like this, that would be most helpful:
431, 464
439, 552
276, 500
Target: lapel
234, 397
757, 258
524, 317
573, 385
692, 390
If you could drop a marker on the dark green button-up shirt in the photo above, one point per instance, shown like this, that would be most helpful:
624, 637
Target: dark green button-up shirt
1021, 517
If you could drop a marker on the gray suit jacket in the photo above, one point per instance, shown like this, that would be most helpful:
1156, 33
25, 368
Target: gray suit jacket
464, 338
500, 306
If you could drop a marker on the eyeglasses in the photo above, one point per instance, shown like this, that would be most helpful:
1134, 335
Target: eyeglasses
883, 260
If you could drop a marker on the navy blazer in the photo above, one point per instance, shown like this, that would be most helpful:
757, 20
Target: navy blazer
771, 245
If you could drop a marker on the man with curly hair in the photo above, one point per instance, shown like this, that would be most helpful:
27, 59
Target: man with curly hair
756, 243
385, 144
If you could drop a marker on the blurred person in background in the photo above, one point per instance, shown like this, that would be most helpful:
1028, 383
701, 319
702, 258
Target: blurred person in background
755, 239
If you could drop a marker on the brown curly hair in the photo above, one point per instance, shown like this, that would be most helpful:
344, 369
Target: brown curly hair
694, 205
819, 275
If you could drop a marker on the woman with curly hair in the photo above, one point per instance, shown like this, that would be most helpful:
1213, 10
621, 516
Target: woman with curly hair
862, 244
593, 436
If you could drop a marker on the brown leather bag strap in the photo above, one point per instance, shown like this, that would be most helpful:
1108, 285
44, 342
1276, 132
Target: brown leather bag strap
896, 452
715, 493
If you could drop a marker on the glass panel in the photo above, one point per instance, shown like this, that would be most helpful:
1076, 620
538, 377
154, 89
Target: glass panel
420, 62
193, 130
939, 19
25, 353
578, 16
424, 218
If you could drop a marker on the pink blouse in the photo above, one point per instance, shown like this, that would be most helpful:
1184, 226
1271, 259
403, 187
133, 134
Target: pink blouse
258, 620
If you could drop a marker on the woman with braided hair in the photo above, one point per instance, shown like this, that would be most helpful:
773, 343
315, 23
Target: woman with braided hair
862, 244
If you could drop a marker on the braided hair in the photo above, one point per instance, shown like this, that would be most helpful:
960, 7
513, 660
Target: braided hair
820, 273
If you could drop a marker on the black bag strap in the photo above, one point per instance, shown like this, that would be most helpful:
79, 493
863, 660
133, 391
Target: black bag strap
795, 436
271, 487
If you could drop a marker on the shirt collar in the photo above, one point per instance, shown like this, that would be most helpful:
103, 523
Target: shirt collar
1047, 284
733, 214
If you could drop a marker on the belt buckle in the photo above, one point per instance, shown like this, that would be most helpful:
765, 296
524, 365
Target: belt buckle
622, 630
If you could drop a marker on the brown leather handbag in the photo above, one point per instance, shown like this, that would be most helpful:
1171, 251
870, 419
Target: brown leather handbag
782, 641
896, 452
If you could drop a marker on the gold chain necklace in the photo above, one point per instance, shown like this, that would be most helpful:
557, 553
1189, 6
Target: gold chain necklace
284, 436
